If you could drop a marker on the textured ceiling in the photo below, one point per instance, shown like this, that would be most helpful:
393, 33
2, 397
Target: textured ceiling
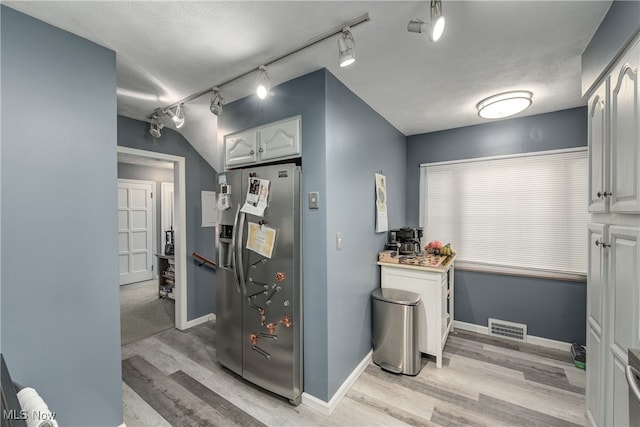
168, 50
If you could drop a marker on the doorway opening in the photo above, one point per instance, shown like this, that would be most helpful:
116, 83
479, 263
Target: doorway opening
177, 226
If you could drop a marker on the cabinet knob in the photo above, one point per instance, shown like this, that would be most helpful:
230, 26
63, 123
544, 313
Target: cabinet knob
601, 243
600, 194
607, 193
260, 150
598, 242
252, 152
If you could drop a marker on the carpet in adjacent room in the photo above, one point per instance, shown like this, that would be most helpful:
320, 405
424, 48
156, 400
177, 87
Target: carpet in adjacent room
142, 312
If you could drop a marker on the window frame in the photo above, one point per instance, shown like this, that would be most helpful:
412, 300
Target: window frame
496, 268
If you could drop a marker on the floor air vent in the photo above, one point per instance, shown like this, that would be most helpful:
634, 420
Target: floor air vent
511, 330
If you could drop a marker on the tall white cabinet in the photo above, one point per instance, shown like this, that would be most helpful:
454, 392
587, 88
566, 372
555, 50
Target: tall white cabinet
613, 296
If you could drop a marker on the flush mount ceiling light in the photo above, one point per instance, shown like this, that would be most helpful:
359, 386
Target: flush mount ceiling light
262, 85
504, 104
346, 45
155, 127
435, 27
178, 116
216, 101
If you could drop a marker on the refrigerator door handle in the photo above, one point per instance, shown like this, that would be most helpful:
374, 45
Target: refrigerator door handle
238, 250
234, 255
632, 381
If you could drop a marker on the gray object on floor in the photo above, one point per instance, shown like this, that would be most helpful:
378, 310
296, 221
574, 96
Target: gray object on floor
395, 330
142, 313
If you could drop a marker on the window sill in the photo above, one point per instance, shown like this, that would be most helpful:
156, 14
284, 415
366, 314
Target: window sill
520, 271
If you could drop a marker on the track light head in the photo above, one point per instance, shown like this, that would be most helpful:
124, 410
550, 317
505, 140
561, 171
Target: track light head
435, 27
155, 127
262, 85
346, 44
437, 21
216, 101
416, 26
178, 116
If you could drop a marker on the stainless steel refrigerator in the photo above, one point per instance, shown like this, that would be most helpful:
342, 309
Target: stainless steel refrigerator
259, 298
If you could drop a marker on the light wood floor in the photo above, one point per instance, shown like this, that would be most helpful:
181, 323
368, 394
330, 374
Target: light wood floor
173, 379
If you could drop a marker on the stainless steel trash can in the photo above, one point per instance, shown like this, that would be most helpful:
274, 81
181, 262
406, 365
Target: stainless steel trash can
395, 330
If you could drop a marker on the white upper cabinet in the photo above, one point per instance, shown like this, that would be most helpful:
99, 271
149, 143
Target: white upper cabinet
614, 139
241, 149
280, 140
275, 141
625, 134
599, 149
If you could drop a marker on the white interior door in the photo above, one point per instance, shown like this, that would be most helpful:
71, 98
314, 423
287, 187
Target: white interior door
135, 230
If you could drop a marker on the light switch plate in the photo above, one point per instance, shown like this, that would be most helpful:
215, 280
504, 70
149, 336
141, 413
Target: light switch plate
314, 200
339, 240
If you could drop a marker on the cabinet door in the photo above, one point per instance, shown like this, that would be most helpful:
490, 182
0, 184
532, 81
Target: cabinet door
444, 313
598, 149
625, 134
596, 292
426, 285
240, 149
623, 296
280, 140
596, 275
620, 395
594, 390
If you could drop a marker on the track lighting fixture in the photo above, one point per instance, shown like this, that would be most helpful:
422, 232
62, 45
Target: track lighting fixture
155, 127
504, 104
178, 116
262, 85
435, 27
346, 45
216, 101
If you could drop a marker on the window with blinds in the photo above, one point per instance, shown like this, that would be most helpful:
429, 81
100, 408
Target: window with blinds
526, 211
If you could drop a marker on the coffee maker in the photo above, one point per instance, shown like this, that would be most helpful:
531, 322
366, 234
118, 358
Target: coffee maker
405, 240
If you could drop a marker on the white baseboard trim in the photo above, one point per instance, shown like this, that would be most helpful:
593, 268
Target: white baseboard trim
199, 321
327, 408
531, 339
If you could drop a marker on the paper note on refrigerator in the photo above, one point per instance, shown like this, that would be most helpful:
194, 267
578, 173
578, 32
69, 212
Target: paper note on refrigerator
381, 204
257, 196
261, 239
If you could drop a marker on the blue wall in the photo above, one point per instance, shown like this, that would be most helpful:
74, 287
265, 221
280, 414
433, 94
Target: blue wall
60, 301
617, 28
344, 142
200, 176
551, 308
359, 143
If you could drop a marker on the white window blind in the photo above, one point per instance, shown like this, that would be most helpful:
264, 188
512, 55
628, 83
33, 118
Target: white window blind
528, 211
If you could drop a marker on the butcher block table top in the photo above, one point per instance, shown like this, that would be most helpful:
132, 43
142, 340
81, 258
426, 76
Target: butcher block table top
425, 262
